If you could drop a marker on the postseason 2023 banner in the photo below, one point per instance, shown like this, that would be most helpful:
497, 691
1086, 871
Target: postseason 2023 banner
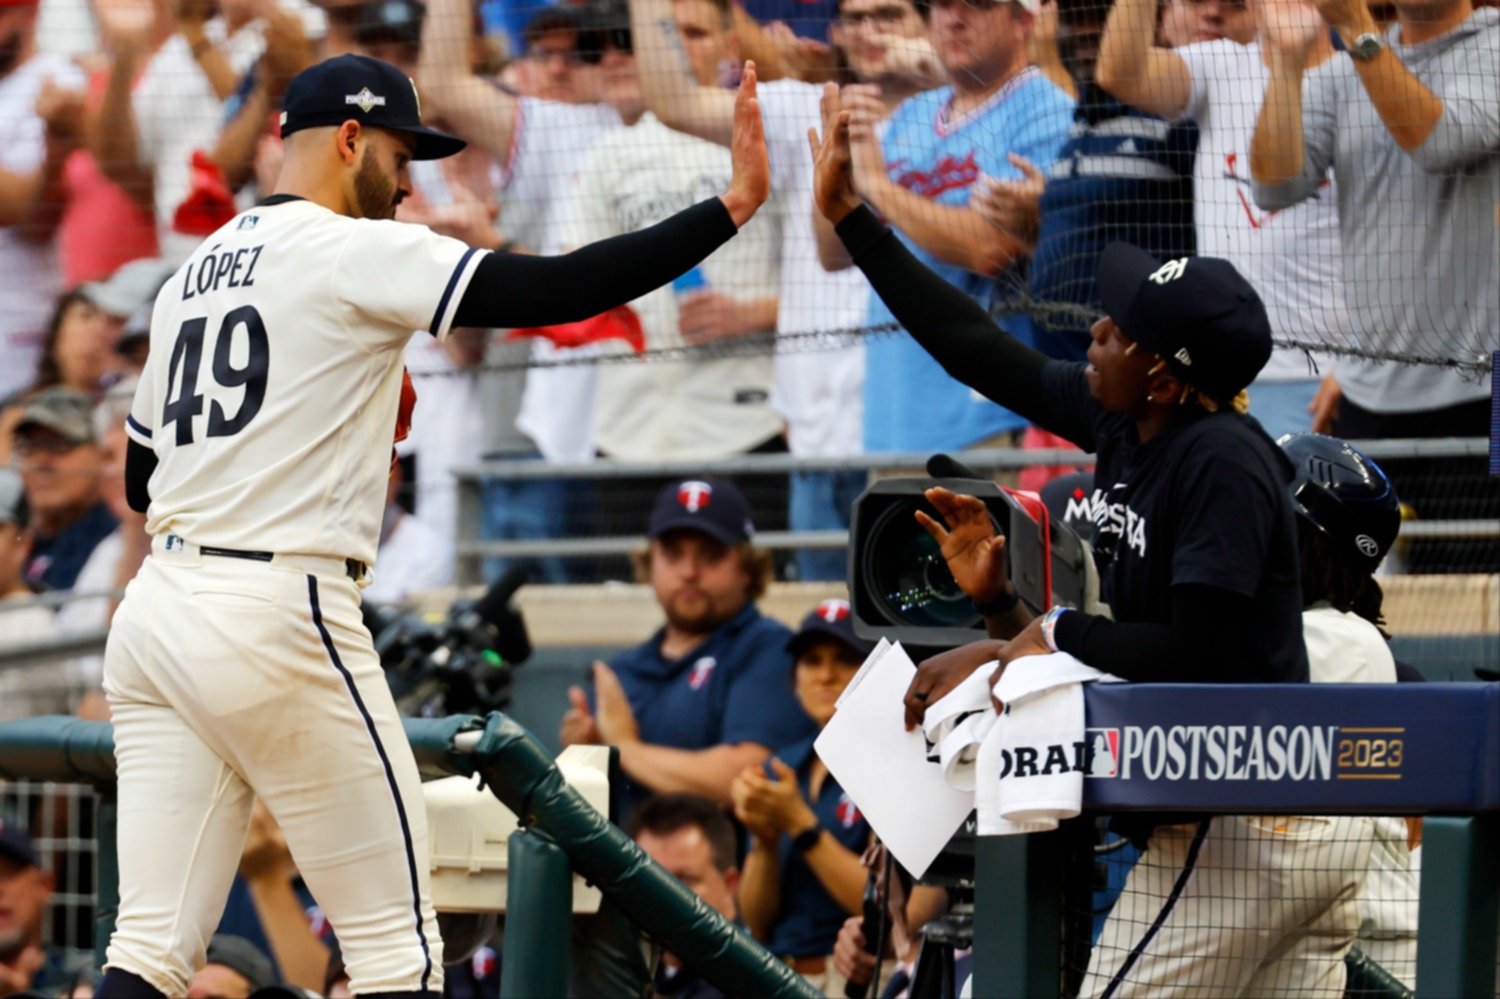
1323, 748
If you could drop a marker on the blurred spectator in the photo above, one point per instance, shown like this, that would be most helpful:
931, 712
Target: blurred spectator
61, 465
447, 424
413, 555
693, 839
1122, 174
634, 177
150, 127
803, 875
549, 70
804, 18
115, 559
936, 147
391, 30
26, 964
41, 108
820, 393
1184, 22
1411, 130
707, 695
539, 143
233, 969
1292, 258
40, 688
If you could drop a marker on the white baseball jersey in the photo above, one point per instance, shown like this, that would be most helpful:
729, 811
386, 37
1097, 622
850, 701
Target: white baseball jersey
274, 378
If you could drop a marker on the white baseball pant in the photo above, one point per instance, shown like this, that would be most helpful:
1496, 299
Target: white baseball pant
1249, 906
229, 679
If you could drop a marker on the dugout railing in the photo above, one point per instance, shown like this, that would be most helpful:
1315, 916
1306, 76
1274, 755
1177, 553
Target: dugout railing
1448, 771
472, 548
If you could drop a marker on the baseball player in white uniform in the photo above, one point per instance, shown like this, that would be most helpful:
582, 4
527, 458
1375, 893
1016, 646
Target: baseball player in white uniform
261, 438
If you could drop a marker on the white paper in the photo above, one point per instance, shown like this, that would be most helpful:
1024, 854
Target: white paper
884, 768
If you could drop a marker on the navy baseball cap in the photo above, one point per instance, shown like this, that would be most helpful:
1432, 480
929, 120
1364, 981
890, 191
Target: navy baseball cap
17, 846
830, 619
371, 92
1196, 313
712, 506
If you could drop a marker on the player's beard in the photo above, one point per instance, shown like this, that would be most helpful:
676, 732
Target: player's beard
697, 616
374, 193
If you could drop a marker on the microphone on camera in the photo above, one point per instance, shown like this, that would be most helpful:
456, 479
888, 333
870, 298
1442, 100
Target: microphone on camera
942, 466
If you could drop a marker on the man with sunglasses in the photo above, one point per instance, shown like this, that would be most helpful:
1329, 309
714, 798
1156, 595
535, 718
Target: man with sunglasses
820, 393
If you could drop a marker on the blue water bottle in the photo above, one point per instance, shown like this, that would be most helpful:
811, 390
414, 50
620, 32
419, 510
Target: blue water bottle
689, 282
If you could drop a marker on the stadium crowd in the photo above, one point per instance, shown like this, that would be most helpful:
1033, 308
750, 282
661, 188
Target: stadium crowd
1007, 142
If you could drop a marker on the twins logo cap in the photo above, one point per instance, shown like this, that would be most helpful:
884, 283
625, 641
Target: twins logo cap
1196, 313
369, 91
708, 505
830, 619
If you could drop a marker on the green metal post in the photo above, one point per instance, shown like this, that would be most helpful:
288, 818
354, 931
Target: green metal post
538, 940
1018, 915
106, 869
1459, 906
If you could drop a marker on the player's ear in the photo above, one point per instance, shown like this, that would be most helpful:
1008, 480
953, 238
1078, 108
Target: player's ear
347, 141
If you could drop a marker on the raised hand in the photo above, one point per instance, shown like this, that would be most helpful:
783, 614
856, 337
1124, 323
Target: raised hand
615, 717
62, 112
973, 549
1290, 28
578, 725
1012, 206
833, 172
751, 184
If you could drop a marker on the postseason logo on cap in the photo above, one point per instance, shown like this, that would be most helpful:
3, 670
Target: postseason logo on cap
364, 100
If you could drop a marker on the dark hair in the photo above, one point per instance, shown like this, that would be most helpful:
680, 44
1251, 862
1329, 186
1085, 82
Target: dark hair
549, 20
1326, 577
48, 373
664, 814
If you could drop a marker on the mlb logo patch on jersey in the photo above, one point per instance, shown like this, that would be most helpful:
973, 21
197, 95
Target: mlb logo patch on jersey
701, 671
248, 222
694, 495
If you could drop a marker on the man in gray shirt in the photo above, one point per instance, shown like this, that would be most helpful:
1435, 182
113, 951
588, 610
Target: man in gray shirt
1409, 120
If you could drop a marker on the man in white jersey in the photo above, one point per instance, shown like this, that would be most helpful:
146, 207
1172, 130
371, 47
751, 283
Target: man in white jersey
260, 444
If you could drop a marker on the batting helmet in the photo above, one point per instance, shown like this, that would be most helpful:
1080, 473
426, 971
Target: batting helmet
1345, 496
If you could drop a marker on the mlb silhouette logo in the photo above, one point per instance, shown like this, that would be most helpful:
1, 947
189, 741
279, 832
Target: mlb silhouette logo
847, 812
1103, 752
694, 495
833, 611
701, 671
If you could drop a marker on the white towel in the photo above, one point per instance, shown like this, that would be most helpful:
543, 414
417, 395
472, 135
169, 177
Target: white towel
956, 725
1030, 764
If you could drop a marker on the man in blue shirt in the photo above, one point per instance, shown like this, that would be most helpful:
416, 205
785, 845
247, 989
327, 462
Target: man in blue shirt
708, 694
936, 146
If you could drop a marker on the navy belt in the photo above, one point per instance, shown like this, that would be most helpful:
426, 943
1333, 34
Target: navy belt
355, 568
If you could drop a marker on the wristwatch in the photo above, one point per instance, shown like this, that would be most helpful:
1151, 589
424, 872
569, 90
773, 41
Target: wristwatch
1366, 46
807, 838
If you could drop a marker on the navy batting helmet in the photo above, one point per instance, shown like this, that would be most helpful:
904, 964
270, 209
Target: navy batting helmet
1345, 496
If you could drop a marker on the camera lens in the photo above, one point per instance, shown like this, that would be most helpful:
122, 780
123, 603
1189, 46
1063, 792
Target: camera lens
904, 571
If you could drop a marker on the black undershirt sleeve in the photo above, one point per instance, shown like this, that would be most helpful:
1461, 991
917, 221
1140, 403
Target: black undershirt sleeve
949, 325
1207, 641
140, 462
514, 289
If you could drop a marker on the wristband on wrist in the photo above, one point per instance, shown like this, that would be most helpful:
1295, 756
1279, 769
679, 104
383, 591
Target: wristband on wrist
1003, 604
807, 838
1049, 627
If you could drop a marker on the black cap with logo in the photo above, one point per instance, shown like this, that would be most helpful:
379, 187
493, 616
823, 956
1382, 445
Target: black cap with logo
709, 505
373, 93
830, 619
1196, 313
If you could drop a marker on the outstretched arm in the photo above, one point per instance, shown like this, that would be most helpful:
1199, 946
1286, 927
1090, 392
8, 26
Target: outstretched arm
510, 290
667, 82
1134, 69
475, 109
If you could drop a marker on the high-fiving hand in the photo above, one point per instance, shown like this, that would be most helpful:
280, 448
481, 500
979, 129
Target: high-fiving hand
751, 183
833, 173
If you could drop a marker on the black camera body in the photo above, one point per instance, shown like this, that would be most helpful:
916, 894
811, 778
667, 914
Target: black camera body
899, 584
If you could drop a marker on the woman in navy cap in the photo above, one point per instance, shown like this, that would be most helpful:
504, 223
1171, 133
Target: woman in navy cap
803, 877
